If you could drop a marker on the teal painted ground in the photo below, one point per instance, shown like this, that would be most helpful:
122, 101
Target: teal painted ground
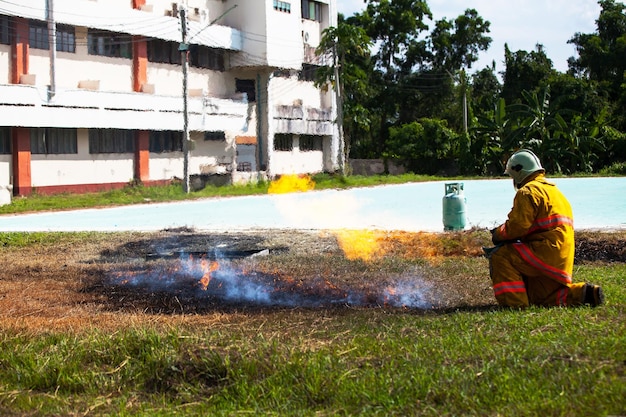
598, 203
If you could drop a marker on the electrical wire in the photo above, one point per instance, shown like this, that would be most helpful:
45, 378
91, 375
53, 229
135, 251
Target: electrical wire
239, 58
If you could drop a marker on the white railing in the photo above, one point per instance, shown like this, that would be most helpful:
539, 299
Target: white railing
28, 106
303, 120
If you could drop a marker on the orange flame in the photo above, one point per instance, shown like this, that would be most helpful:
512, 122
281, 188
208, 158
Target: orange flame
291, 183
360, 244
207, 267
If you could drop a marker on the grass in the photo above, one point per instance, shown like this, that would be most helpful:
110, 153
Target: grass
139, 194
363, 362
314, 362
479, 361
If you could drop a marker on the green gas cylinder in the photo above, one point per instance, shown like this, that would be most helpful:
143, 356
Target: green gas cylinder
454, 207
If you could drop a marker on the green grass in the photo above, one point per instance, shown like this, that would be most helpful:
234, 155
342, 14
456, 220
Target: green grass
309, 362
139, 194
299, 362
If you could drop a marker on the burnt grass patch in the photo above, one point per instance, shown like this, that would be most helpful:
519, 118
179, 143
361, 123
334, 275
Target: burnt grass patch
73, 281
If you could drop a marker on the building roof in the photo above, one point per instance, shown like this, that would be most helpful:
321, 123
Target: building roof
130, 21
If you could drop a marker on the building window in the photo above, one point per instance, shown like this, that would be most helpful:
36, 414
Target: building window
111, 141
38, 34
166, 141
311, 10
310, 143
283, 142
165, 52
308, 72
5, 32
66, 39
205, 57
216, 135
282, 6
5, 140
53, 140
116, 45
246, 86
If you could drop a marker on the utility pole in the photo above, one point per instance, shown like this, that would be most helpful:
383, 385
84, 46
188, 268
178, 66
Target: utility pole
52, 44
464, 87
184, 54
339, 104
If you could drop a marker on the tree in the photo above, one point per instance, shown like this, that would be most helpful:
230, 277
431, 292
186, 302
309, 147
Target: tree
350, 45
524, 71
602, 56
486, 90
455, 44
424, 146
395, 27
454, 47
492, 130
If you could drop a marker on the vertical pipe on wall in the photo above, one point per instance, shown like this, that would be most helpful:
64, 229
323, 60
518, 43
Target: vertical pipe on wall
52, 44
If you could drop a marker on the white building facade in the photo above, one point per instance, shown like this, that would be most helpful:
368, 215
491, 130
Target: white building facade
108, 106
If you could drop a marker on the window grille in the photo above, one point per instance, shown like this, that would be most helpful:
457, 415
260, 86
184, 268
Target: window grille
282, 6
5, 140
205, 57
312, 10
283, 142
66, 39
308, 72
310, 143
38, 36
162, 141
5, 32
216, 135
53, 140
104, 43
246, 86
111, 141
165, 52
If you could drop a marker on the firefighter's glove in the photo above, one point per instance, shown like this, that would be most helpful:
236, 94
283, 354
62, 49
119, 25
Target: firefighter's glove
494, 237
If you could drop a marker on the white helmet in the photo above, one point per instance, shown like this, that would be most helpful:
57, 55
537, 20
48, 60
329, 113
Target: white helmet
522, 164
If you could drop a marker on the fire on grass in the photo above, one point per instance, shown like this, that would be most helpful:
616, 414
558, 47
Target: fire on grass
211, 278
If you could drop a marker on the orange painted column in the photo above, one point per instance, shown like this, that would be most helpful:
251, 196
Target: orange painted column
21, 161
142, 156
140, 62
19, 49
140, 76
138, 3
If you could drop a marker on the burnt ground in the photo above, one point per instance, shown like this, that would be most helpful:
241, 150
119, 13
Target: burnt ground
110, 281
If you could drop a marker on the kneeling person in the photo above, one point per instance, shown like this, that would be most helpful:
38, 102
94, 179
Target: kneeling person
533, 260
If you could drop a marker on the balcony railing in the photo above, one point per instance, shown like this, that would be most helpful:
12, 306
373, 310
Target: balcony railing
29, 106
303, 120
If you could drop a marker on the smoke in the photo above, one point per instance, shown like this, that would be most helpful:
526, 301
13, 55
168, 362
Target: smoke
220, 281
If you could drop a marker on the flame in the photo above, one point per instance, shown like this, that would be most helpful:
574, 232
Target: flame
207, 267
360, 244
291, 183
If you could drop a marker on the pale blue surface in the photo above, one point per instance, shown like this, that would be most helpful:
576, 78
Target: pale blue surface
598, 203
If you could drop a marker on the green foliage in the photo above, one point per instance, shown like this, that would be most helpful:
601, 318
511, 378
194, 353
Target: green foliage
411, 76
423, 145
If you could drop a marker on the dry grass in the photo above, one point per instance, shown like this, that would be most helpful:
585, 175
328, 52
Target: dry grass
64, 287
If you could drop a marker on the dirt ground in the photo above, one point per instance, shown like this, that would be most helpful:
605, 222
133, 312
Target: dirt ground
113, 281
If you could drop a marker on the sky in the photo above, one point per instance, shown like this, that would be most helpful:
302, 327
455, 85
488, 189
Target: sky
519, 23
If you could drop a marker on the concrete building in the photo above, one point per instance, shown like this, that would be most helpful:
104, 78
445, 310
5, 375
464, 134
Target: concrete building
108, 106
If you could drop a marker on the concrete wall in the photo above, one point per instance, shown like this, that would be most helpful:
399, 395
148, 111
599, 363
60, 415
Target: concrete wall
375, 167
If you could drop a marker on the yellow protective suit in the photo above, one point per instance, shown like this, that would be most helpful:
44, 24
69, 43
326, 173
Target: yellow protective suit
534, 263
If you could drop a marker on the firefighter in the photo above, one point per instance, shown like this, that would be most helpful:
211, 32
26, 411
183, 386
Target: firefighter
533, 257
